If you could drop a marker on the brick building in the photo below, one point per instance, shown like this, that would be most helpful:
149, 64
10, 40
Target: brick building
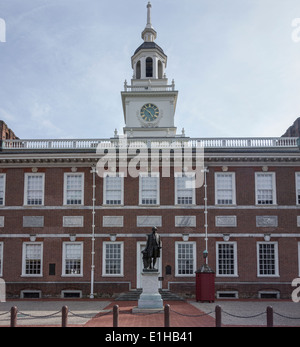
68, 229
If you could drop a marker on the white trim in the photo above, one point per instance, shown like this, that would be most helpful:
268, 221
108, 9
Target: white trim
194, 258
25, 291
276, 274
297, 187
234, 243
152, 175
104, 274
27, 174
232, 174
65, 188
63, 292
25, 244
64, 244
298, 258
120, 175
274, 197
179, 175
4, 187
1, 258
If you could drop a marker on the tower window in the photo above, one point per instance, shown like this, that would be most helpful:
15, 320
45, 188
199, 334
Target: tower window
138, 70
149, 67
160, 69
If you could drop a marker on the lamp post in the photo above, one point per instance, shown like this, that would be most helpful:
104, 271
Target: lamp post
93, 171
205, 253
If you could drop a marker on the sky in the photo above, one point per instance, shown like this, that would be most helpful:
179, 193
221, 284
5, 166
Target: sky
235, 63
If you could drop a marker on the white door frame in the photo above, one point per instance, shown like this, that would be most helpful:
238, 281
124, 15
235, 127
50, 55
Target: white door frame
140, 245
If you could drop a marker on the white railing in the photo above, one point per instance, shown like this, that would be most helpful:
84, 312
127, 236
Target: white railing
208, 143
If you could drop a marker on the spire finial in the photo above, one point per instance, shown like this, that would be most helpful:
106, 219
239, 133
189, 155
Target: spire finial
149, 34
149, 15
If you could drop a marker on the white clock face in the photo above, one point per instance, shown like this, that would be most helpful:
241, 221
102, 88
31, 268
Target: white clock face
149, 112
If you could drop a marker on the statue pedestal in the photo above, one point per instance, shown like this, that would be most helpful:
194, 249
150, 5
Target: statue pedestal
150, 299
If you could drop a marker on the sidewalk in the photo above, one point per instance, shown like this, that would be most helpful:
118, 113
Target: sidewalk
98, 313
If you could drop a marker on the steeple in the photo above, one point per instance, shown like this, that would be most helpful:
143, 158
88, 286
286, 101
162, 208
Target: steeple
149, 60
149, 102
149, 34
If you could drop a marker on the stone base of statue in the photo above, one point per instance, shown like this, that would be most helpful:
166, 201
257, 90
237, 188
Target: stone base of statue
150, 300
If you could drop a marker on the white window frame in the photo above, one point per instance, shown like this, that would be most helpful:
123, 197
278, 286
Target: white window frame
193, 243
297, 184
235, 272
27, 174
217, 189
4, 187
299, 259
274, 198
105, 243
121, 176
276, 261
178, 175
154, 175
1, 258
64, 274
25, 244
74, 174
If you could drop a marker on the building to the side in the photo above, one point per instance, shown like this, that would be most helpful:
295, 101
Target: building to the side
74, 214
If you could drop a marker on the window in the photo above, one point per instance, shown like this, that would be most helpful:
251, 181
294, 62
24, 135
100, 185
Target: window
149, 189
149, 67
267, 259
113, 189
2, 189
226, 259
112, 259
265, 189
225, 188
32, 259
298, 188
299, 259
185, 254
34, 189
1, 259
138, 70
73, 188
72, 258
184, 189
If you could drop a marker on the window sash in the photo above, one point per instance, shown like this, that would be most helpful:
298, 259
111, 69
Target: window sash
1, 258
298, 188
2, 190
73, 253
113, 259
113, 192
74, 189
149, 189
225, 188
265, 189
32, 259
226, 259
185, 191
34, 189
185, 259
267, 263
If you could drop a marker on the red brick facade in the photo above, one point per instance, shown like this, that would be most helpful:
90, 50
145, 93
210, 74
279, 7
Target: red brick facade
244, 229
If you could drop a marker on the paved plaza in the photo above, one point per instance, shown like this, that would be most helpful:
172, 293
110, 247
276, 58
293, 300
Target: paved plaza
98, 313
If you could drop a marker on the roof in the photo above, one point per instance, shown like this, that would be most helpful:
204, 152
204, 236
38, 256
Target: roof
149, 45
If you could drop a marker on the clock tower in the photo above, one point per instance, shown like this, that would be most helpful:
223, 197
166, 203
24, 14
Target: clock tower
149, 103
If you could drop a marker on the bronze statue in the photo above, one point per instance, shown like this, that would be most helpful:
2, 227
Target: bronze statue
152, 250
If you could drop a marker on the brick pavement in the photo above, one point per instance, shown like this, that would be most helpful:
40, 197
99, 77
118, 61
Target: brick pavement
182, 314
